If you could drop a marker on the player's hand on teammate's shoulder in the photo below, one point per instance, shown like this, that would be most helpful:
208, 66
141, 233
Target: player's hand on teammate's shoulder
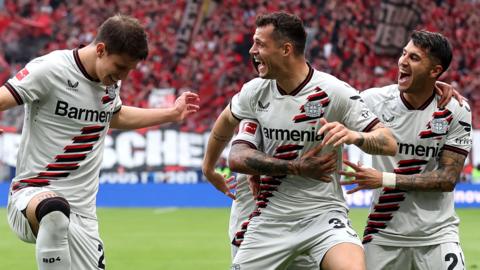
186, 104
316, 166
363, 177
336, 134
447, 91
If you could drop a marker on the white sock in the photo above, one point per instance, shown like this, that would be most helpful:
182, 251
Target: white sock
52, 250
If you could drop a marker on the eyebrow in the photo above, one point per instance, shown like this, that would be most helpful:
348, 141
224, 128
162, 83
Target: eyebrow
412, 53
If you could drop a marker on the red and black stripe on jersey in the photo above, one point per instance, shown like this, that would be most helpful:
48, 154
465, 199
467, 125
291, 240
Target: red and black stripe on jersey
410, 166
68, 161
389, 200
62, 167
288, 151
31, 182
267, 186
92, 129
78, 148
86, 138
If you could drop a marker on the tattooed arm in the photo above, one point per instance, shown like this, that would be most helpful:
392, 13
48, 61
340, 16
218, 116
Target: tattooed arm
379, 141
246, 160
220, 136
442, 179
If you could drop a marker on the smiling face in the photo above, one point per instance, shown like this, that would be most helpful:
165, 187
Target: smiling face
266, 52
111, 68
416, 70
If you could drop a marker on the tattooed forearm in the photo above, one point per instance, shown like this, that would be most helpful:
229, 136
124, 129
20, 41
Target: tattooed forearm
374, 145
380, 141
220, 137
246, 160
442, 179
360, 140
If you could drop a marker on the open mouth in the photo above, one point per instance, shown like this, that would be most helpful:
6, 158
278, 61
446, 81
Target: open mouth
258, 64
404, 76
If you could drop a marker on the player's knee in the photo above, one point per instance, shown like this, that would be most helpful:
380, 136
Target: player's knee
51, 205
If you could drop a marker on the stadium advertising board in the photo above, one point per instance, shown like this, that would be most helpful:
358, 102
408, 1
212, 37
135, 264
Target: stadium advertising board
160, 156
161, 168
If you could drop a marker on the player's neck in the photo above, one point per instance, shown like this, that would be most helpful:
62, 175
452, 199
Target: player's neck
87, 57
418, 97
293, 76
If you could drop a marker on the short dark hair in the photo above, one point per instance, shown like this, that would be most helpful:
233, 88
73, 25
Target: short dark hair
285, 27
437, 46
123, 35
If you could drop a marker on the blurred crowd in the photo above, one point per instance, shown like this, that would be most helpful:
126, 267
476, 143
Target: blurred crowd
340, 41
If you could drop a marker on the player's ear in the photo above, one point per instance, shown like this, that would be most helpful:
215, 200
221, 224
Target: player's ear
287, 48
436, 71
100, 47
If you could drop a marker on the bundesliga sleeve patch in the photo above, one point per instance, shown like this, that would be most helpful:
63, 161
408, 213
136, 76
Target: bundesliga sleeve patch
22, 74
250, 128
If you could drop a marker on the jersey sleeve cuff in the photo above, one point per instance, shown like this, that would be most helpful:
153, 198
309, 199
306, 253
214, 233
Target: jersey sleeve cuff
234, 116
251, 145
14, 93
117, 110
369, 127
455, 150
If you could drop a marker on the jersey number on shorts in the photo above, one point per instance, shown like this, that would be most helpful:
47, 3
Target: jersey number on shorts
337, 223
454, 258
101, 264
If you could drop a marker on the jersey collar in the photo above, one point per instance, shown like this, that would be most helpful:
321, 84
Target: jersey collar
421, 108
301, 86
80, 65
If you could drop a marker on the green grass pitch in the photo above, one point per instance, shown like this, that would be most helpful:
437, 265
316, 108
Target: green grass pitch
174, 239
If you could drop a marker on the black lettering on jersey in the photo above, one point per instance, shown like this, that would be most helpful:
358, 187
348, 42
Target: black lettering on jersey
292, 135
72, 112
418, 150
465, 140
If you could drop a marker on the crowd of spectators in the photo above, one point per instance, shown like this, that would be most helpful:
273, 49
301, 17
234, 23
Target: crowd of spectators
340, 42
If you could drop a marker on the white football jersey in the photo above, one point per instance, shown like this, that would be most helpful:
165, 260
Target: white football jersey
250, 133
67, 115
411, 218
289, 124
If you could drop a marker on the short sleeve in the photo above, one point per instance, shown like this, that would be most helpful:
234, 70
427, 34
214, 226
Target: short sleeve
30, 83
459, 137
241, 105
356, 115
249, 133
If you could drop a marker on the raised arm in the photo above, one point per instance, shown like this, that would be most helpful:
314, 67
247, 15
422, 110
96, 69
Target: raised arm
220, 136
378, 141
443, 179
133, 117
